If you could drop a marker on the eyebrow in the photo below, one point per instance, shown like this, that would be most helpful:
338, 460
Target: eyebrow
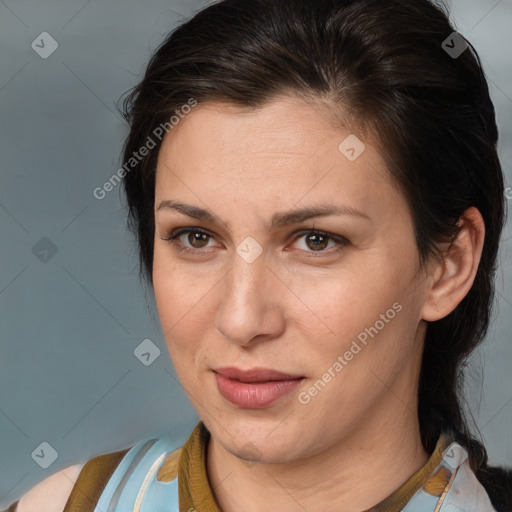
278, 220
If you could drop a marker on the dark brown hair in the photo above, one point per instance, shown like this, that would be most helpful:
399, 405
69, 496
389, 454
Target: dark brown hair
383, 64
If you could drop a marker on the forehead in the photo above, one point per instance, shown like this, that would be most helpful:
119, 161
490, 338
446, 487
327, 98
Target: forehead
286, 148
282, 128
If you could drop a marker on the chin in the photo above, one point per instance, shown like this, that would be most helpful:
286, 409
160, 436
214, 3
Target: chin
260, 453
257, 439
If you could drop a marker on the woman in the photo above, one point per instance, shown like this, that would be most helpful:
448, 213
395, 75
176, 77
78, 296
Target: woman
318, 202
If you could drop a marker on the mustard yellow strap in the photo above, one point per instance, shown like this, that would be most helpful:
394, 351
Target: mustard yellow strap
92, 481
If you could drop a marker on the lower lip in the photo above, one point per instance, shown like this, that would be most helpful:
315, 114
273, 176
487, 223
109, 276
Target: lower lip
250, 395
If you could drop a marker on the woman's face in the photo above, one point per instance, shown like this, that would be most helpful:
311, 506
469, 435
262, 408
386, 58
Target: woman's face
250, 287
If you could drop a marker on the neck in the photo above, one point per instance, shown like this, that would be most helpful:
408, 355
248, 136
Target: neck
356, 473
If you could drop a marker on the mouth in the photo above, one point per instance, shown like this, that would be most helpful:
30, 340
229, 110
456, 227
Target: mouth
255, 375
256, 388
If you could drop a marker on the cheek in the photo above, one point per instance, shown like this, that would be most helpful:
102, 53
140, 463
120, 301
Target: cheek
178, 288
180, 298
341, 305
368, 319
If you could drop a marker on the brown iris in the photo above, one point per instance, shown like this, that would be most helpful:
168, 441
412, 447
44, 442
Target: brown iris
197, 237
319, 241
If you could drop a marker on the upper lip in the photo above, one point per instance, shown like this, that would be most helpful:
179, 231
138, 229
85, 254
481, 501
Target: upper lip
254, 374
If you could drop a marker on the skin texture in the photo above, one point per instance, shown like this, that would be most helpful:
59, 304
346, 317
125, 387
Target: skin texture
296, 308
52, 493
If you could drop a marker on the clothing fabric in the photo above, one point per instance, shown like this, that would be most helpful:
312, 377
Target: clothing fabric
154, 475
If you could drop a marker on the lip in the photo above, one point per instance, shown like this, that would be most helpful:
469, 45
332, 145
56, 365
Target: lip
255, 388
254, 374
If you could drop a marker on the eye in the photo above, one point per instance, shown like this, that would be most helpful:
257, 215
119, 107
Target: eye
196, 239
318, 241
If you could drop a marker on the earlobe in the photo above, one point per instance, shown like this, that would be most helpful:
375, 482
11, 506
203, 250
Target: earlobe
452, 278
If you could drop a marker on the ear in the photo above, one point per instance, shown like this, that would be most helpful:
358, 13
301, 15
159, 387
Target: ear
452, 278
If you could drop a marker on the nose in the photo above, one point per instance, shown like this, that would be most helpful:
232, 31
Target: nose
251, 306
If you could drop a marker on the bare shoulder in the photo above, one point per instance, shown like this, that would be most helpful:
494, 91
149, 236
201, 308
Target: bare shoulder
52, 493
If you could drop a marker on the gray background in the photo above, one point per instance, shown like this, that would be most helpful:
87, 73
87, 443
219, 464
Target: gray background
72, 319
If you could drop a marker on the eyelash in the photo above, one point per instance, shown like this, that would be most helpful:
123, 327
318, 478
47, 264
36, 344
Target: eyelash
172, 238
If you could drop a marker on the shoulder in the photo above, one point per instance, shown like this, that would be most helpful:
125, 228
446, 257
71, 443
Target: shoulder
52, 493
85, 486
73, 488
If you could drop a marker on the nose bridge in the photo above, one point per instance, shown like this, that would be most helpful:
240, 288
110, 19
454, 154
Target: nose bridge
247, 279
247, 301
248, 266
